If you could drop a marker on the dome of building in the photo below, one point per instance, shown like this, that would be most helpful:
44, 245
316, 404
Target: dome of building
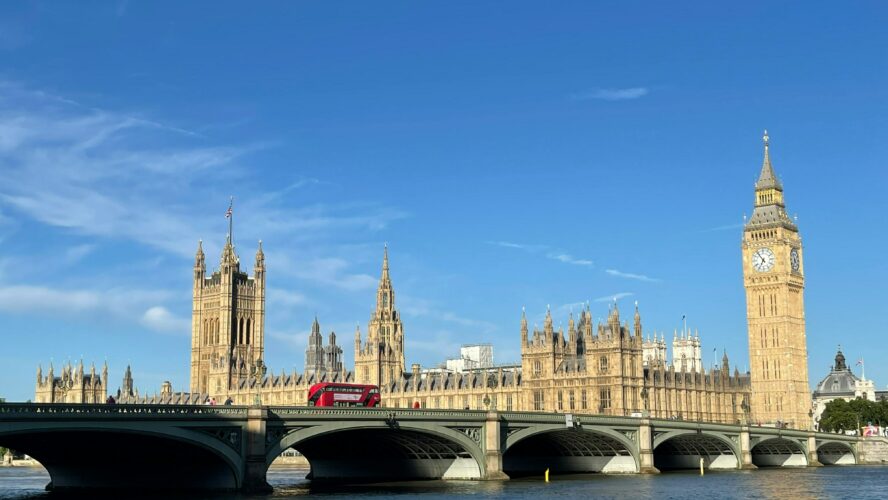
839, 382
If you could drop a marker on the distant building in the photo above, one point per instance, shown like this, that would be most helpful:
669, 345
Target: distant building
841, 383
471, 357
654, 351
687, 355
320, 359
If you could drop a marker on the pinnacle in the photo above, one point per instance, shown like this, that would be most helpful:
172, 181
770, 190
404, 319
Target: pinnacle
767, 177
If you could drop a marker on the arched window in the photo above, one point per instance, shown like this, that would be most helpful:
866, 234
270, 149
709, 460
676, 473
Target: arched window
249, 333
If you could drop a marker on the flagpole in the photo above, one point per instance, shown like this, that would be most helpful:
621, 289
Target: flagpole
230, 220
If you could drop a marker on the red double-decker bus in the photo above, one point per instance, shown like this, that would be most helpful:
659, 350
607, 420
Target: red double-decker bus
334, 394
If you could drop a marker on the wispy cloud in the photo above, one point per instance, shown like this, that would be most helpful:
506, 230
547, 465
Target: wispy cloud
330, 271
550, 253
285, 297
417, 307
117, 301
614, 296
441, 343
519, 246
569, 259
109, 175
631, 276
78, 252
159, 319
612, 94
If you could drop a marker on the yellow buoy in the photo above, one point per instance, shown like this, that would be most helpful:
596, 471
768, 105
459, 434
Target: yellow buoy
547, 475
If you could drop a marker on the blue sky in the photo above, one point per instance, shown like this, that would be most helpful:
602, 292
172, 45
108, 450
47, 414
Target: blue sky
511, 156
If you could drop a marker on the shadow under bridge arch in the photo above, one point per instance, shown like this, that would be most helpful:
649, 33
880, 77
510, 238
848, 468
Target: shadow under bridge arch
117, 456
376, 451
683, 450
568, 451
836, 453
779, 452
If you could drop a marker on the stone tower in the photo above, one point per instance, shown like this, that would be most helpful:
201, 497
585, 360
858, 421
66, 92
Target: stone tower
773, 274
314, 353
228, 321
380, 360
321, 360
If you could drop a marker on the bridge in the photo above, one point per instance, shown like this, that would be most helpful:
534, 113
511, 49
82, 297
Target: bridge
231, 447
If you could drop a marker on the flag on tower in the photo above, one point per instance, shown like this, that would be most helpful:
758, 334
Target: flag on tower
859, 361
229, 211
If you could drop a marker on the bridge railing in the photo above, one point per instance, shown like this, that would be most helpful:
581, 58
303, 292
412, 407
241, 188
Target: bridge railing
375, 413
15, 410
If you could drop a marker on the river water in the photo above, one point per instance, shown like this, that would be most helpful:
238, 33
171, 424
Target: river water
860, 482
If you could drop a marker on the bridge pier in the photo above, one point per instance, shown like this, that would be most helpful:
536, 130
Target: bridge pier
255, 466
493, 447
745, 449
646, 448
813, 459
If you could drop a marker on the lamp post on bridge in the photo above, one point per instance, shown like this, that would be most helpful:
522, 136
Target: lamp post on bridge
257, 371
644, 399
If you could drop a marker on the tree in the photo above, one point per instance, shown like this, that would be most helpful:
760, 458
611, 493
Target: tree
840, 415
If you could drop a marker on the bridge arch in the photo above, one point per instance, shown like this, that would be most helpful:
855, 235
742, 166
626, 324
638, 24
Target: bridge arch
683, 449
836, 453
564, 450
378, 451
779, 452
126, 456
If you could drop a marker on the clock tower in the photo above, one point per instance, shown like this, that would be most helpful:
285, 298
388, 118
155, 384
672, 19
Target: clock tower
773, 276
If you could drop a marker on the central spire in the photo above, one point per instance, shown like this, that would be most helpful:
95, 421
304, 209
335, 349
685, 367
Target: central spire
385, 296
767, 178
385, 263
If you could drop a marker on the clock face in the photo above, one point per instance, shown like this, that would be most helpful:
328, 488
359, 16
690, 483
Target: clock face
763, 260
794, 259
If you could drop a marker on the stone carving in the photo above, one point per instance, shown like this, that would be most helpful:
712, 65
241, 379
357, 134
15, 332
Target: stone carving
228, 435
473, 433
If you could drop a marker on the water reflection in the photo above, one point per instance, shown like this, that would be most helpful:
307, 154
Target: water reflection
861, 482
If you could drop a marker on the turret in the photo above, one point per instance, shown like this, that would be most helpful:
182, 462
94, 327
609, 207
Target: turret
200, 267
523, 327
547, 325
259, 266
637, 332
126, 388
571, 331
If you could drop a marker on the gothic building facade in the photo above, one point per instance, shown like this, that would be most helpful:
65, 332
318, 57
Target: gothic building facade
228, 322
72, 385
